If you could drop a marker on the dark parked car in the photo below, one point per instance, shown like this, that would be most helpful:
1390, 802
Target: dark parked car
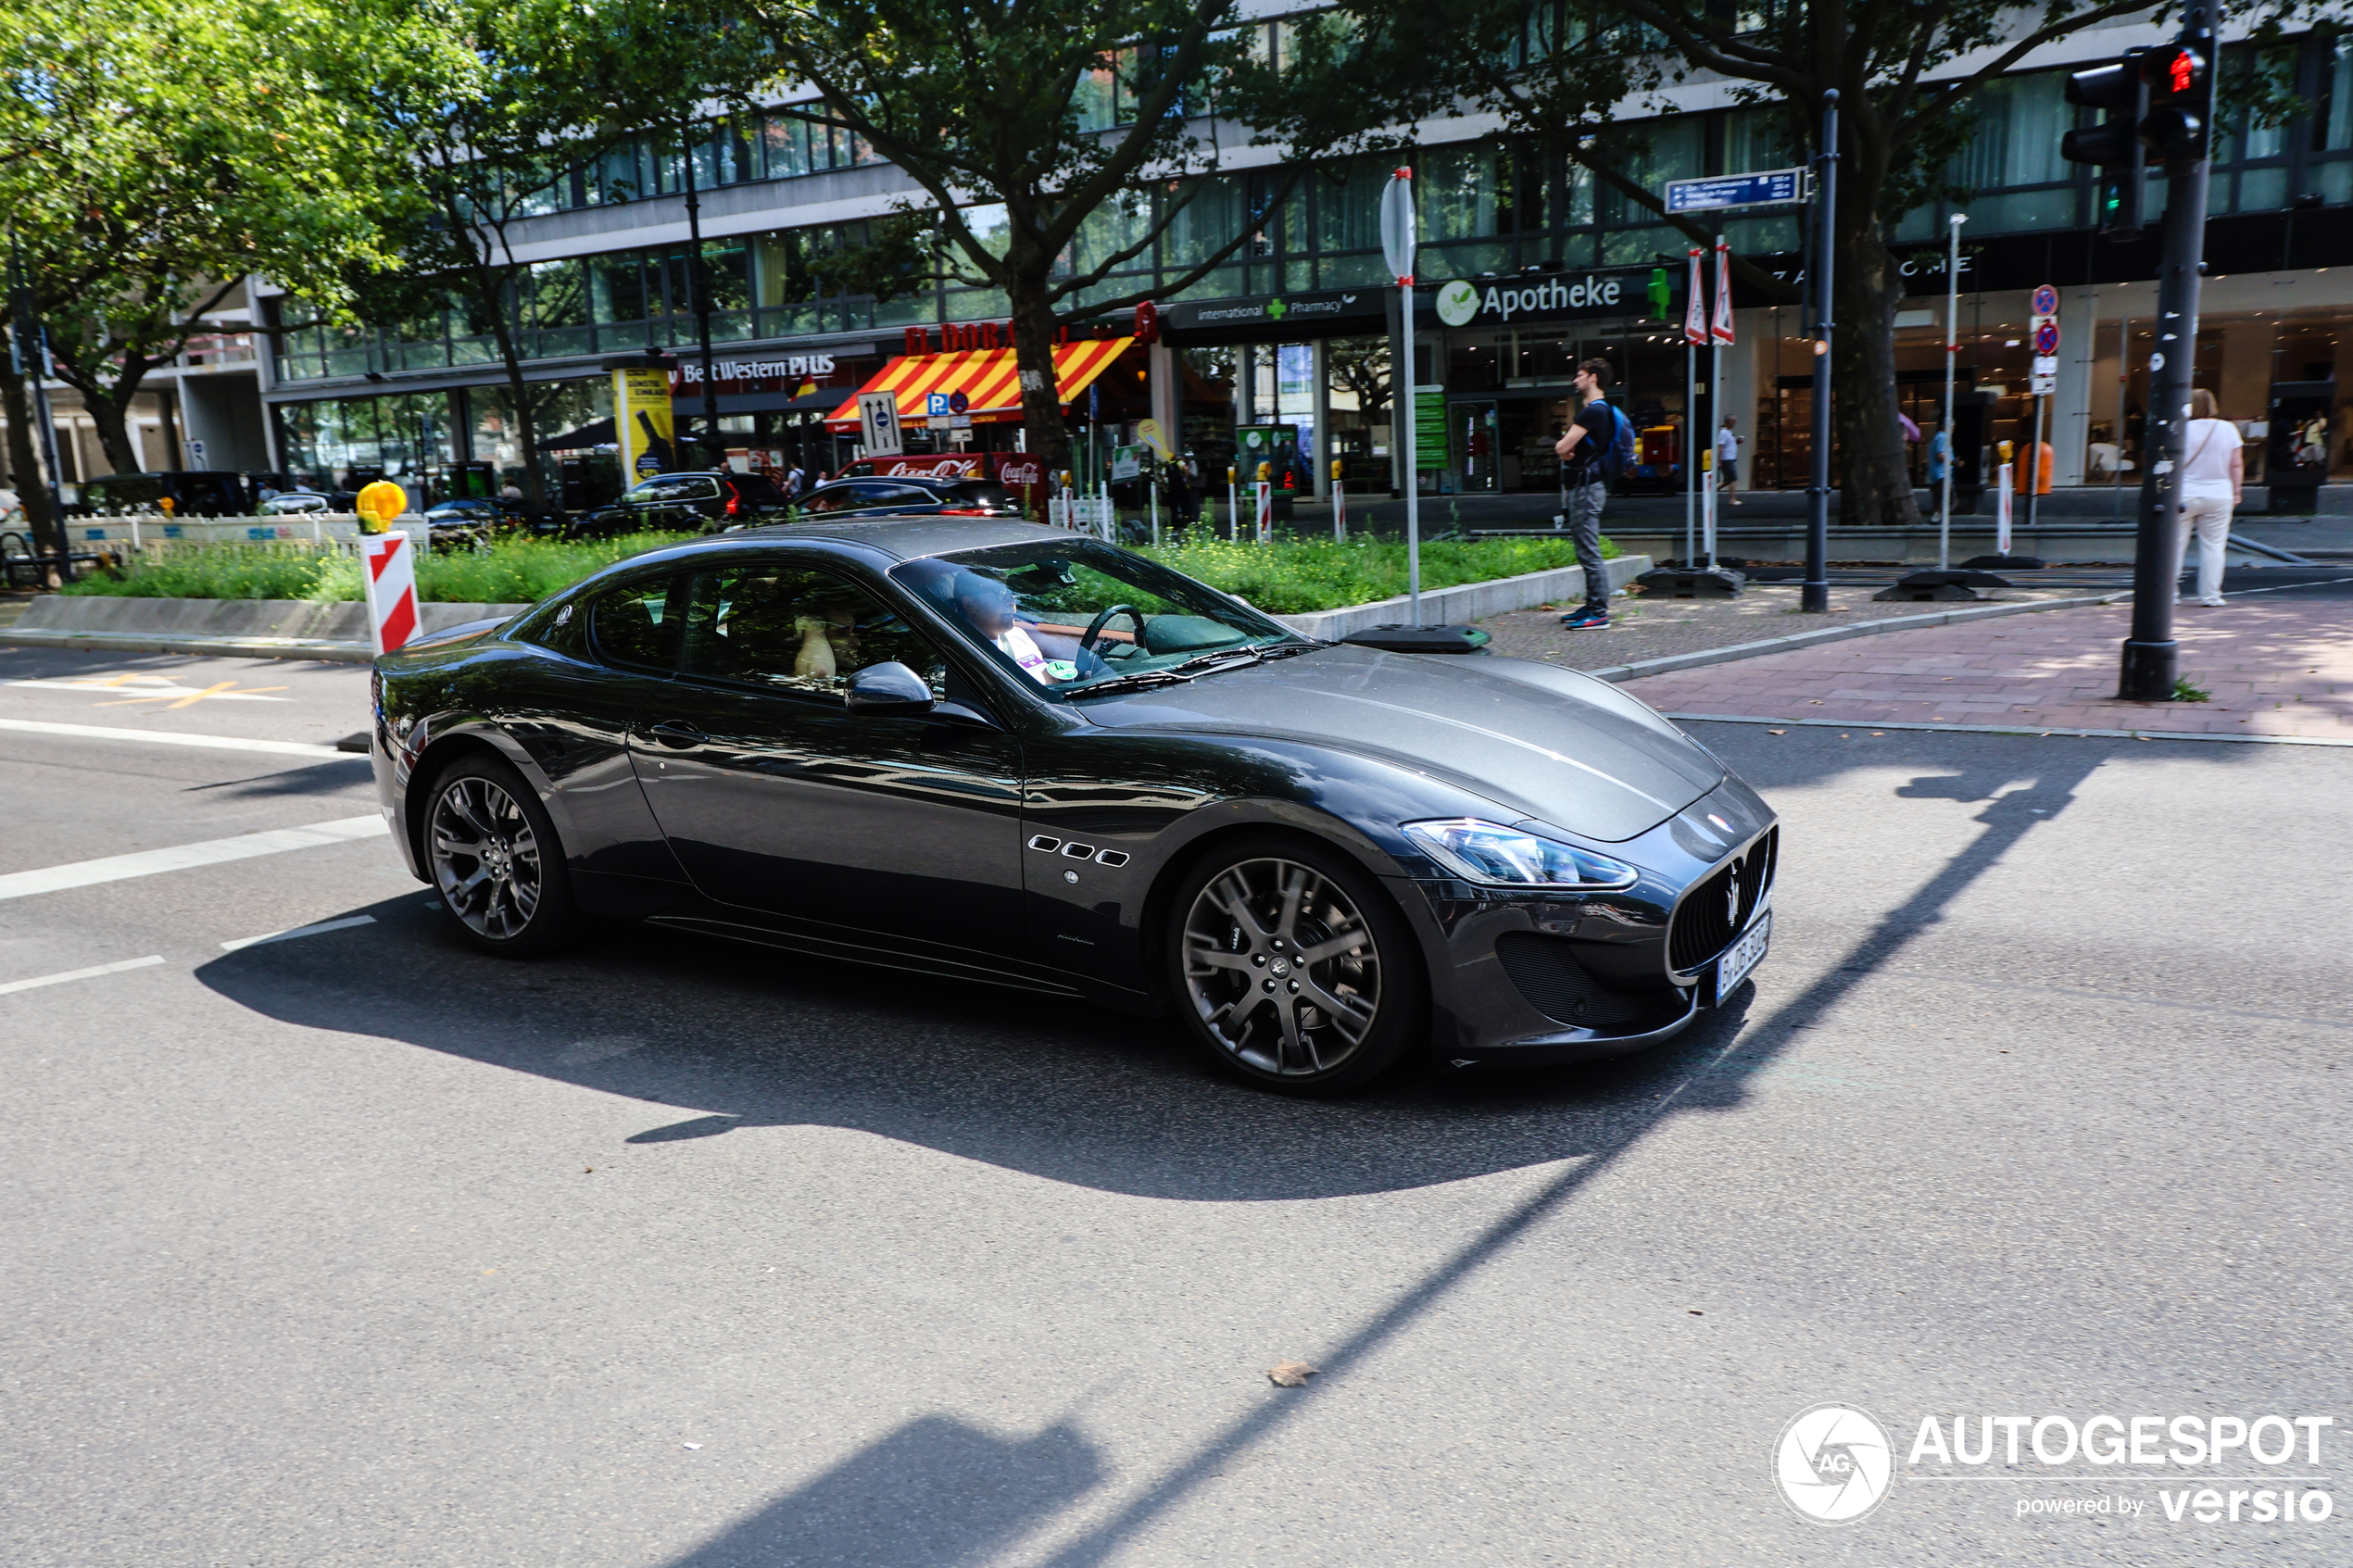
682, 502
495, 514
911, 497
1014, 756
193, 492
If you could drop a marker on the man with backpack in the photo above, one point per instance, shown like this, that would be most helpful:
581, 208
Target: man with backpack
1598, 446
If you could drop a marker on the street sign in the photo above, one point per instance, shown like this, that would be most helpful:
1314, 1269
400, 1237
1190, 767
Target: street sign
1126, 462
2043, 380
1772, 187
1397, 232
2046, 338
2046, 301
935, 405
958, 403
878, 423
2045, 334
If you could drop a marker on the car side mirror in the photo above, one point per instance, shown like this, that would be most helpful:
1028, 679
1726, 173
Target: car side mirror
887, 691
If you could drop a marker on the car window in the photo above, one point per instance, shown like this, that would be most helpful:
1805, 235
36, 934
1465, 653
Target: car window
757, 489
982, 492
797, 629
831, 498
634, 624
660, 487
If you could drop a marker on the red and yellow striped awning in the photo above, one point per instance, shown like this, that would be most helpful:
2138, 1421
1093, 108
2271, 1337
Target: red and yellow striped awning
986, 377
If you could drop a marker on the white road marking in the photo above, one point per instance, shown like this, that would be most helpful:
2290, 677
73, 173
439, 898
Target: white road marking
91, 972
174, 737
209, 852
149, 688
293, 931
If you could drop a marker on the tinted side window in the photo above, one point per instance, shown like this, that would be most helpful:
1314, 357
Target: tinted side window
794, 628
636, 625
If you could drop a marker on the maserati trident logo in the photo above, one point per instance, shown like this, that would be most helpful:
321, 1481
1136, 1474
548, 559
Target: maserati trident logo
1833, 1464
1733, 899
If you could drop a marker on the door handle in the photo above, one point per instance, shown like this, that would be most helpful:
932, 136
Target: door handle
675, 736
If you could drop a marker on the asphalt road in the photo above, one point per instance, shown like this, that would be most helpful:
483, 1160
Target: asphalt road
357, 1248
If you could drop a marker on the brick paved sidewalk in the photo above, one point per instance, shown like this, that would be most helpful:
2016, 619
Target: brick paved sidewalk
2279, 669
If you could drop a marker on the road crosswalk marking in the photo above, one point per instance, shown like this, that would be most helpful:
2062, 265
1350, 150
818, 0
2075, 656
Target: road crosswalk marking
182, 857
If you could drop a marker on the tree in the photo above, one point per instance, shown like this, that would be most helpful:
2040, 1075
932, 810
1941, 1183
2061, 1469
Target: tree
1054, 141
140, 193
1563, 77
483, 103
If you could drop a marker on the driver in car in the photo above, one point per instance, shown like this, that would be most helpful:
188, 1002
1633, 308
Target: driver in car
988, 606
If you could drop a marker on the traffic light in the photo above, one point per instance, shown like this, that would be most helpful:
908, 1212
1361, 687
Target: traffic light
2180, 102
2114, 144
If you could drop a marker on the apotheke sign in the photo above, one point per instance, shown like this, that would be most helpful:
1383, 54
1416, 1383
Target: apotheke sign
1464, 301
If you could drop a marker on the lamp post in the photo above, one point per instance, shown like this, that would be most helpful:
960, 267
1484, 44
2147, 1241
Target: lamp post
698, 285
1951, 353
1398, 242
1814, 594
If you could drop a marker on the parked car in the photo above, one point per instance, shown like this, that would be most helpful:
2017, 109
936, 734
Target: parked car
680, 502
296, 503
498, 514
1011, 756
193, 492
911, 496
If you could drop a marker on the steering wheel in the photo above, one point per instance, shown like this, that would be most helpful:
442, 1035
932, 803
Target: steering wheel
1095, 627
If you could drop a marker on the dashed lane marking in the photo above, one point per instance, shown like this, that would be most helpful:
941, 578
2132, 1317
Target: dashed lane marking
90, 973
171, 737
182, 857
293, 931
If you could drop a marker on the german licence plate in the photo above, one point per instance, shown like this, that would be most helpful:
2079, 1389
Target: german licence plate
1738, 959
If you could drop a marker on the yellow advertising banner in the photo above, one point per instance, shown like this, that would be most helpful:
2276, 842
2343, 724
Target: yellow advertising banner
641, 423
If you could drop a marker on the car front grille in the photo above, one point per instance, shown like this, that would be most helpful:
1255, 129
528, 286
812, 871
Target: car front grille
1555, 984
1705, 921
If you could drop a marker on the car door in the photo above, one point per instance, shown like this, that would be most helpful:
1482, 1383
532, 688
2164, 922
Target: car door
775, 796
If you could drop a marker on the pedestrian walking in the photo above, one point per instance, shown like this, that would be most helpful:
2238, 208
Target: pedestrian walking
1581, 450
1727, 461
2213, 478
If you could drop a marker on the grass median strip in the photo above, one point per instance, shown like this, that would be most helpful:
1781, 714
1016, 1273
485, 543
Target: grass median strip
183, 857
90, 973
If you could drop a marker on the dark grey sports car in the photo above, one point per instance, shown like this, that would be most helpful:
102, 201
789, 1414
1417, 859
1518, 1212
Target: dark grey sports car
1014, 756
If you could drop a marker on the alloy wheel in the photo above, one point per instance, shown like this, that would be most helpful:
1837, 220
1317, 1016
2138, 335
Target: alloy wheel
1282, 967
486, 859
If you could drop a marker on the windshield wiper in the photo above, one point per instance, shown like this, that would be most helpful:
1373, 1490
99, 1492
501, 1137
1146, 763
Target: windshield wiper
1193, 668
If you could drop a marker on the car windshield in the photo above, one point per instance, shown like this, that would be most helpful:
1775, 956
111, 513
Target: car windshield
1032, 607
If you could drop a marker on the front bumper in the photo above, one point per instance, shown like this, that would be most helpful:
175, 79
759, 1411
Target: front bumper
1543, 980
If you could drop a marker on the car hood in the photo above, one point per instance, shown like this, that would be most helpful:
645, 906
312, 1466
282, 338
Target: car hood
1550, 744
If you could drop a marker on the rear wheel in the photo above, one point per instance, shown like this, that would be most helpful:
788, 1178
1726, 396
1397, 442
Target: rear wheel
1292, 968
496, 860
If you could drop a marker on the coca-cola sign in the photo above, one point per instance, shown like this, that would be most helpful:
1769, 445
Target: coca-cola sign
1021, 471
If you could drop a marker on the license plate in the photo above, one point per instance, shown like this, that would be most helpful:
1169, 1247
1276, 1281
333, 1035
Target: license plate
1733, 967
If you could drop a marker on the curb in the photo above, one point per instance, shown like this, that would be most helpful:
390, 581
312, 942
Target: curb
217, 648
2008, 730
1704, 657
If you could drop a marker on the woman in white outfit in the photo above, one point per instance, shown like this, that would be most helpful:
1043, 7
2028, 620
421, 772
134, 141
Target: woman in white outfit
2213, 472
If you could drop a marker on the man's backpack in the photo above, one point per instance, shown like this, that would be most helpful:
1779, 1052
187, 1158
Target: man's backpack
1615, 461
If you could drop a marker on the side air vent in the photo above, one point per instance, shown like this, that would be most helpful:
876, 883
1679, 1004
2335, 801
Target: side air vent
1547, 973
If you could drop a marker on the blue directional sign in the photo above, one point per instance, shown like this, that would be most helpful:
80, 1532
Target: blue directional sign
936, 405
1772, 187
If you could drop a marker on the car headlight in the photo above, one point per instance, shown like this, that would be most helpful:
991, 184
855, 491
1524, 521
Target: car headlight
1491, 853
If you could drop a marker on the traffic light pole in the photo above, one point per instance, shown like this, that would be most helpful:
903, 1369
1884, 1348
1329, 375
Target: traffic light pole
2149, 654
1814, 594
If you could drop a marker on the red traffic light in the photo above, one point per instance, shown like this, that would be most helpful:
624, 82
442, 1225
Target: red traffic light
2173, 71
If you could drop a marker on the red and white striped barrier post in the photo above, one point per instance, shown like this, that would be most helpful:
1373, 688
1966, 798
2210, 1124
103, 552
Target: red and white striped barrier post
1265, 529
388, 576
1340, 504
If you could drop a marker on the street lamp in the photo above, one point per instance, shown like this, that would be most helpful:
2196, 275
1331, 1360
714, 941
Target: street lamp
1952, 353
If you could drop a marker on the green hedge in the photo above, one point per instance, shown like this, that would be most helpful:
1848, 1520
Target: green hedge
1293, 577
509, 571
1290, 577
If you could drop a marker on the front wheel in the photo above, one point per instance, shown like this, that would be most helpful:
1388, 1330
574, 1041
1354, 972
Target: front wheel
496, 860
1292, 968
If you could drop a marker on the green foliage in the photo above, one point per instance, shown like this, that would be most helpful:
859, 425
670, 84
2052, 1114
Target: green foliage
1290, 577
1293, 577
506, 572
2185, 692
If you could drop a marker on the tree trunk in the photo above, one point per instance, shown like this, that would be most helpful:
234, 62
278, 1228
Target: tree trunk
518, 393
114, 431
29, 474
1876, 484
1034, 324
